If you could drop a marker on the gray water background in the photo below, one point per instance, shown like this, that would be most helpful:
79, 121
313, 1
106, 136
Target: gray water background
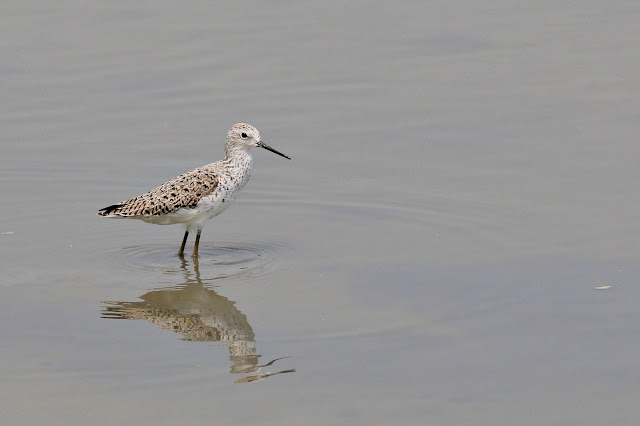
464, 175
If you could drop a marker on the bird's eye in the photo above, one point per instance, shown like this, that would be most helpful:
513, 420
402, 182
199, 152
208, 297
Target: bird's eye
244, 135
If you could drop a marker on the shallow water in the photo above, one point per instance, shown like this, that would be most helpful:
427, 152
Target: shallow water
462, 181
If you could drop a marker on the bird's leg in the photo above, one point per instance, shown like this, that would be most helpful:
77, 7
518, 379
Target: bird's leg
184, 241
195, 247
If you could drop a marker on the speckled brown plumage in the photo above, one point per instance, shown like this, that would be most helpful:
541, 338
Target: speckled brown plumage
184, 191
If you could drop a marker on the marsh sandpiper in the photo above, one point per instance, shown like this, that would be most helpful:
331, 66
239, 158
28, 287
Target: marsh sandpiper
200, 194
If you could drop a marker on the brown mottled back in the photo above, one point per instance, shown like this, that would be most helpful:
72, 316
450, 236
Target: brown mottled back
185, 191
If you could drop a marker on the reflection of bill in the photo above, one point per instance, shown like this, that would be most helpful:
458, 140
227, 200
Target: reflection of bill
199, 314
256, 377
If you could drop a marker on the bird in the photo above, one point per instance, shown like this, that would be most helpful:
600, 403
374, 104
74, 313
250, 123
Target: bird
198, 195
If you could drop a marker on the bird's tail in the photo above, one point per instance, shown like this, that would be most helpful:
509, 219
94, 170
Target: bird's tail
111, 210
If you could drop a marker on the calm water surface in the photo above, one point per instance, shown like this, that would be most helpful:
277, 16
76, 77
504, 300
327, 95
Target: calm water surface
464, 177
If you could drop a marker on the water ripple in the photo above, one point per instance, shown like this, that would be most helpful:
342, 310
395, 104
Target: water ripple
239, 261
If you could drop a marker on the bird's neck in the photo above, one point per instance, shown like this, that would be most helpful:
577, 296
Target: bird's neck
238, 155
236, 152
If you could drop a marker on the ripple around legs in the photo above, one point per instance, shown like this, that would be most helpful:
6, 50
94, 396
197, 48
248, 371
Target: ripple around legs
231, 261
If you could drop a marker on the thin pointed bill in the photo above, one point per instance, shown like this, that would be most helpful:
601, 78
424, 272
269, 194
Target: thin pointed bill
268, 148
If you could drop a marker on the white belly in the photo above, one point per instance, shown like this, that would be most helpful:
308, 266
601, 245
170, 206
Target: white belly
206, 209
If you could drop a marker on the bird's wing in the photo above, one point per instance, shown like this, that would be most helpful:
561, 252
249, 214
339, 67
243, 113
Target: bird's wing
184, 191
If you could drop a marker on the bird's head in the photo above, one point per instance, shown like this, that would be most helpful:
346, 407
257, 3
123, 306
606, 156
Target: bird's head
244, 136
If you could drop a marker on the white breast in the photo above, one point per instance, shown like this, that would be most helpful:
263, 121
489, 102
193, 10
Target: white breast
232, 177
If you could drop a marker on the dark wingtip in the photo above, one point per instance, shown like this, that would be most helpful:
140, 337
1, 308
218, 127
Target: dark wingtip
108, 210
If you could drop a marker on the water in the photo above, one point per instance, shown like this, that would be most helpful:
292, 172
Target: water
463, 178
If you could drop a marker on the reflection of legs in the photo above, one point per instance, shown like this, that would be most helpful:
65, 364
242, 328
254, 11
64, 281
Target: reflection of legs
184, 241
195, 247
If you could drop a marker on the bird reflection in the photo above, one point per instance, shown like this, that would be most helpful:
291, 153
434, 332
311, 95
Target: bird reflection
199, 314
